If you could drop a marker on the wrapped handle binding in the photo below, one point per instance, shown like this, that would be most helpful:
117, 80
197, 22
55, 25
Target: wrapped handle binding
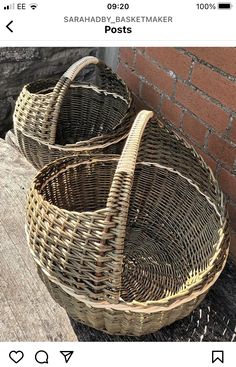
126, 165
74, 69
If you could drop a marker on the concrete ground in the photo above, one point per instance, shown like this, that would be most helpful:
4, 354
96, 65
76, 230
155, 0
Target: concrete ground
27, 311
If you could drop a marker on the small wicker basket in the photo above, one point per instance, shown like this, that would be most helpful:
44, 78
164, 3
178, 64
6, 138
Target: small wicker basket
128, 245
53, 119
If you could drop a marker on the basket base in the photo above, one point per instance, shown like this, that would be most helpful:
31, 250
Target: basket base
130, 321
115, 322
151, 270
213, 321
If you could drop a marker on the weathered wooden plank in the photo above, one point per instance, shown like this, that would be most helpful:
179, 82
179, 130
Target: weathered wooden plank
27, 311
6, 331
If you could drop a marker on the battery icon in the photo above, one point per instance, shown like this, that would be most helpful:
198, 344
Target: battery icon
224, 5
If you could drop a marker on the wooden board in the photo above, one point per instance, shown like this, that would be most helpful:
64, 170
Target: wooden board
28, 313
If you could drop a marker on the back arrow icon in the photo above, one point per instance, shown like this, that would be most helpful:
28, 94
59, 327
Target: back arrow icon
8, 26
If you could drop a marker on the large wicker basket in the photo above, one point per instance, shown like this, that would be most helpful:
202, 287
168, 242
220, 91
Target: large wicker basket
129, 245
53, 119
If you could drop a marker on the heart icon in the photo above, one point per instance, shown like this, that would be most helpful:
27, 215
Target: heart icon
16, 356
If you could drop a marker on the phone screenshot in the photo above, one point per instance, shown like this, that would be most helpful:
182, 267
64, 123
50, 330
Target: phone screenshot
117, 183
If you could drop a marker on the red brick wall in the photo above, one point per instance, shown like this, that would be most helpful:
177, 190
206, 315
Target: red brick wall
195, 90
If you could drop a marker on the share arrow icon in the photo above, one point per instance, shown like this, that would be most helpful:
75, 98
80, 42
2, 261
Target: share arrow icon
67, 355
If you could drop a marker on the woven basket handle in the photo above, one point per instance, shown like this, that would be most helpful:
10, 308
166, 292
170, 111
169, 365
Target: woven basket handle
74, 69
130, 152
119, 198
127, 162
61, 88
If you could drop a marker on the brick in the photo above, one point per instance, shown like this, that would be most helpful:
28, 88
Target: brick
223, 58
232, 214
154, 74
141, 50
127, 55
233, 130
150, 96
194, 128
228, 183
215, 85
171, 59
171, 112
208, 160
203, 108
129, 77
222, 150
139, 104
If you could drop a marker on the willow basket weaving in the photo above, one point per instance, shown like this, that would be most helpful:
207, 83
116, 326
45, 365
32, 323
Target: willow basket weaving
129, 245
55, 118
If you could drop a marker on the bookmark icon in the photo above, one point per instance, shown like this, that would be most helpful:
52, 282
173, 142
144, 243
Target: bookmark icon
217, 355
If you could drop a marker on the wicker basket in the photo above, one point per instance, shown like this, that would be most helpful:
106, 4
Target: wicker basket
54, 119
129, 245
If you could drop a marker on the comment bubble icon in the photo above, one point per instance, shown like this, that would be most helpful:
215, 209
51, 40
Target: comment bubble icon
41, 357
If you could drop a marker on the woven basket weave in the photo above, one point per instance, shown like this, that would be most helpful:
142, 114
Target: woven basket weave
53, 119
128, 245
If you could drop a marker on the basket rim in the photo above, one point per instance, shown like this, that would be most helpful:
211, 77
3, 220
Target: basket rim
147, 307
73, 85
106, 159
83, 145
192, 282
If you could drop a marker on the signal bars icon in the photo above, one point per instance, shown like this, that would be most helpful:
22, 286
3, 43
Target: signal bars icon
9, 7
